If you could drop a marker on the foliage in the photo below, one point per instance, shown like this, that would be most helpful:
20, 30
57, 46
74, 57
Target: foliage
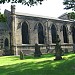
24, 2
2, 18
69, 4
37, 52
58, 49
71, 15
11, 65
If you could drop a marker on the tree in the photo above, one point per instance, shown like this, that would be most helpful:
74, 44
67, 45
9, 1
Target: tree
71, 15
58, 49
24, 2
2, 18
69, 4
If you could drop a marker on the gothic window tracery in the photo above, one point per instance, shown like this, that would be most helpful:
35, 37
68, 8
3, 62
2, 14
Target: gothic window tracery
73, 34
65, 35
25, 34
6, 43
53, 33
40, 34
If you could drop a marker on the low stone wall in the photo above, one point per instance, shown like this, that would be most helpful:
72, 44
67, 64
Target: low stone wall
29, 49
6, 52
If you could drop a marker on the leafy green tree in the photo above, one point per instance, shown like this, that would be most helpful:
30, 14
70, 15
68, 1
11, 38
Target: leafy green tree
71, 15
24, 2
2, 18
69, 4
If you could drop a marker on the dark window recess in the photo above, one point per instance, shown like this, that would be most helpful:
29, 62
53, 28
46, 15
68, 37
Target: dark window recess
25, 34
40, 34
65, 36
6, 42
53, 33
73, 34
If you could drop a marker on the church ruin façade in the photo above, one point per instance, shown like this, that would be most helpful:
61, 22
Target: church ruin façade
23, 31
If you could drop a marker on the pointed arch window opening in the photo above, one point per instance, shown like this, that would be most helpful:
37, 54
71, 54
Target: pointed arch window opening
25, 33
6, 43
40, 34
53, 33
65, 35
73, 34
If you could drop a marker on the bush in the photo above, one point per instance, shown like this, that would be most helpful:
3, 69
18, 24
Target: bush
2, 18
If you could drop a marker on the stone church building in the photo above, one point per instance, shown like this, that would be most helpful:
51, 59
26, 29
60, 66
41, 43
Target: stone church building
22, 31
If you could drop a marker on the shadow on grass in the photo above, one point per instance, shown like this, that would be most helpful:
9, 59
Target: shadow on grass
42, 56
46, 67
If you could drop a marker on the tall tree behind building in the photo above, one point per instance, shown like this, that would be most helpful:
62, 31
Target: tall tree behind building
69, 4
24, 2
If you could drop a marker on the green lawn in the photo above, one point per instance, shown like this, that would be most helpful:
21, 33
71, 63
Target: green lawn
11, 65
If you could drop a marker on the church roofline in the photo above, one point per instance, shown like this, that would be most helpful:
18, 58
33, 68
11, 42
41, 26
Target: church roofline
40, 16
63, 15
33, 15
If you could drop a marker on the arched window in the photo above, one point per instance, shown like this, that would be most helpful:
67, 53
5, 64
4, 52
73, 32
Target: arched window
40, 34
73, 34
6, 43
25, 35
65, 36
53, 33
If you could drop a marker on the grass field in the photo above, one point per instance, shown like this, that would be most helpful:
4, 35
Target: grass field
12, 65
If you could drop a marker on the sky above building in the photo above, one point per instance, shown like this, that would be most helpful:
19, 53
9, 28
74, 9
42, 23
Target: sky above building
51, 8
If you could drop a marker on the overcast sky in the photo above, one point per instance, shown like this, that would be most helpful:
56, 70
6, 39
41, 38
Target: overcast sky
51, 8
